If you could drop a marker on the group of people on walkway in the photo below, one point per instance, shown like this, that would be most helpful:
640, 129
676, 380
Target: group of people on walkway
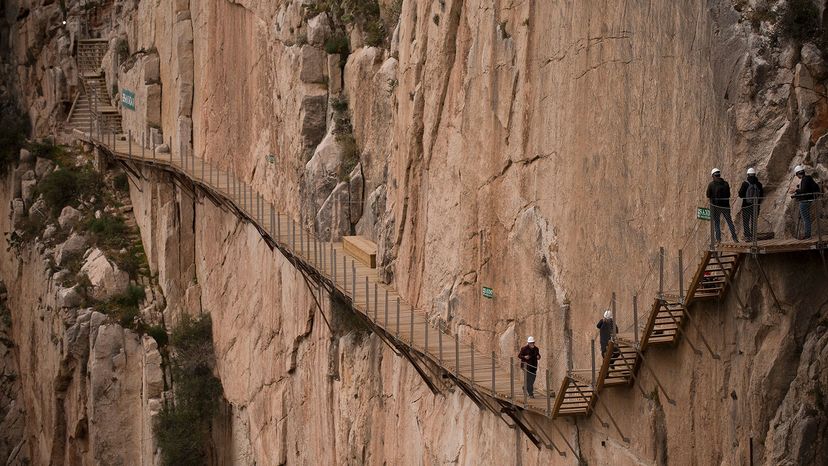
752, 193
529, 355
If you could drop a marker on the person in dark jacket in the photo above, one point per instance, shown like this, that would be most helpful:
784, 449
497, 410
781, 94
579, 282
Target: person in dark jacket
805, 193
529, 356
606, 329
718, 191
751, 192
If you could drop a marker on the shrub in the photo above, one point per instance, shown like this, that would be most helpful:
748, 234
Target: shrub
338, 43
124, 306
121, 182
109, 231
159, 333
66, 187
183, 425
799, 20
13, 129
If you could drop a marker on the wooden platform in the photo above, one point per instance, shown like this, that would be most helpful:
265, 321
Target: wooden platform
777, 245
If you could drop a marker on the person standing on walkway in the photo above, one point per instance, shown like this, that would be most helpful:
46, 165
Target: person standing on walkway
718, 191
606, 329
529, 356
751, 192
805, 193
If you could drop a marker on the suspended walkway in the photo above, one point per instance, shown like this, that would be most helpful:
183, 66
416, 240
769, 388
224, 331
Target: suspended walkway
493, 383
437, 355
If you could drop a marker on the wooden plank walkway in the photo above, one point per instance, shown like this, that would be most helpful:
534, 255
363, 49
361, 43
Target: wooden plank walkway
380, 303
409, 328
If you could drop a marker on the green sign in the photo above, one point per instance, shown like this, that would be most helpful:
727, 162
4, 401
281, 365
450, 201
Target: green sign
703, 213
127, 99
487, 292
270, 158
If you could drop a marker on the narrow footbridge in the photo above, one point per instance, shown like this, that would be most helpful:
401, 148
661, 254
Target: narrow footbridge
438, 356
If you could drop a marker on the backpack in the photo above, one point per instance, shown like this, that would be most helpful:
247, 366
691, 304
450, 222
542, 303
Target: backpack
753, 193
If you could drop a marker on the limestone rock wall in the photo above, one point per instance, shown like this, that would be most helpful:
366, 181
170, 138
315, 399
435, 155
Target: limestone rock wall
544, 149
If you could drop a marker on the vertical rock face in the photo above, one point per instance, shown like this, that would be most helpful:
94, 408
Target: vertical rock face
543, 149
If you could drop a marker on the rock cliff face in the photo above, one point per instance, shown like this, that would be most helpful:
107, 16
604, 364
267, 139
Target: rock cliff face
544, 149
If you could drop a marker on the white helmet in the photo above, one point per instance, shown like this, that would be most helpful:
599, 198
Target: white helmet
714, 171
530, 340
607, 314
751, 171
799, 168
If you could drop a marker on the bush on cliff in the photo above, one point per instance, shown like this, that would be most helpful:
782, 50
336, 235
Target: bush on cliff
67, 187
183, 425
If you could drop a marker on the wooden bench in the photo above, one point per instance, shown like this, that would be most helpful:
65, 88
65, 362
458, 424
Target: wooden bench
362, 249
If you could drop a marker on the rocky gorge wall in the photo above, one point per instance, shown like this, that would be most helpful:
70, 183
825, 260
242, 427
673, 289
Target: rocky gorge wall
545, 149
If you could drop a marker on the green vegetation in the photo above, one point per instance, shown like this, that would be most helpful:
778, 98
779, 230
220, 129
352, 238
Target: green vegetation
338, 43
125, 306
109, 231
344, 133
183, 425
362, 13
14, 126
67, 187
121, 182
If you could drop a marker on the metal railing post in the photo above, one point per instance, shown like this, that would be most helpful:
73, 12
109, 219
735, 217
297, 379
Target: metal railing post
661, 273
129, 138
376, 302
272, 214
345, 273
333, 268
614, 317
353, 280
425, 332
472, 363
398, 317
681, 275
548, 395
367, 299
412, 326
755, 223
635, 317
712, 234
143, 146
512, 379
302, 243
456, 355
819, 199
494, 375
593, 362
440, 344
385, 321
279, 228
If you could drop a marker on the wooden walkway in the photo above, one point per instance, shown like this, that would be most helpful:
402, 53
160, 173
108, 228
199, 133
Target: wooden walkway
491, 382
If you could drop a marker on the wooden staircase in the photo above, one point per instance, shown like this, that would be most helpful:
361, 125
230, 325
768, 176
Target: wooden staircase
664, 324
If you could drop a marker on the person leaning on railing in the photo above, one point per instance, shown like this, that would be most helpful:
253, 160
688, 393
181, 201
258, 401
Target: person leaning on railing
750, 192
805, 193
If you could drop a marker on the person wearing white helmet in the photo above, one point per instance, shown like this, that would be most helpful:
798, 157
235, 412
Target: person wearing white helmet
606, 329
718, 191
529, 356
751, 192
806, 192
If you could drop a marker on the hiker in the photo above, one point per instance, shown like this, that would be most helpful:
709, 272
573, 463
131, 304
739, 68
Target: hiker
806, 192
750, 192
718, 191
607, 329
529, 356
